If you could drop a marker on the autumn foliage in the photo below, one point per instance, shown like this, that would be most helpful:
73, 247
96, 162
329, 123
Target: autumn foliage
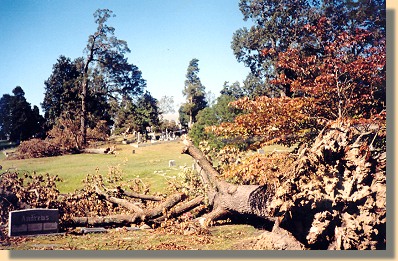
346, 76
337, 75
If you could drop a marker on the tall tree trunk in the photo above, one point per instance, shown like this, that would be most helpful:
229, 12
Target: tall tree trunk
83, 95
83, 116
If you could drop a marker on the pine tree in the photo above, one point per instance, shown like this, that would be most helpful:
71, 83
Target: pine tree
195, 93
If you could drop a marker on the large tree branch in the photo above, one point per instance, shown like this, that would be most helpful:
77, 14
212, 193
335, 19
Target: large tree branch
209, 174
100, 221
162, 209
139, 196
122, 202
179, 210
154, 215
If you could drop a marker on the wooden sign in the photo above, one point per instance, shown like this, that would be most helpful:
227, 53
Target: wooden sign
33, 222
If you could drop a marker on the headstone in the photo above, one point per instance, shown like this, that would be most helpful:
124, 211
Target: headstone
33, 222
172, 163
88, 230
132, 228
145, 226
260, 151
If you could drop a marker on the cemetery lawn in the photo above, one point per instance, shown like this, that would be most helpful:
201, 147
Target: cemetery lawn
150, 163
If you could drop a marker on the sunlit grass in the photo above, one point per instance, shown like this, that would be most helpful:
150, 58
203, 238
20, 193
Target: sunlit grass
143, 163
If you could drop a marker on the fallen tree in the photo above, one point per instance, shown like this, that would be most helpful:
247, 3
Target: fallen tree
108, 150
332, 197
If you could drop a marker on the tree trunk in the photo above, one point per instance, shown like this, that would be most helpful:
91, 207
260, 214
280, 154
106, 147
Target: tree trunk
138, 214
83, 116
83, 94
225, 198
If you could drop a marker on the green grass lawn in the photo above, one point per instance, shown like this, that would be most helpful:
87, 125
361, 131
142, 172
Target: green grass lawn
225, 237
143, 163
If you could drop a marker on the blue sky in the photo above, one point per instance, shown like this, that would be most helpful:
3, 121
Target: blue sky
163, 37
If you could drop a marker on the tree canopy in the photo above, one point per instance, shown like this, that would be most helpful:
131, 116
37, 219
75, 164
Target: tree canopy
61, 90
105, 54
276, 26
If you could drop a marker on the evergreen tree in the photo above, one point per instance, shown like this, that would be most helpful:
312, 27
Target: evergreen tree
61, 90
97, 87
218, 113
147, 111
138, 115
195, 93
18, 121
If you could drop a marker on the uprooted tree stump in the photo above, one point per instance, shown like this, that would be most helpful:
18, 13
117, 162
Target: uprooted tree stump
333, 196
336, 197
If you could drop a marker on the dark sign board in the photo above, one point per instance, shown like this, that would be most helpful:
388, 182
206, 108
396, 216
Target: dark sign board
33, 221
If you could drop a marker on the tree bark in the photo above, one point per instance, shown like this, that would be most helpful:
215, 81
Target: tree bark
179, 210
226, 198
138, 196
138, 214
121, 220
122, 202
83, 94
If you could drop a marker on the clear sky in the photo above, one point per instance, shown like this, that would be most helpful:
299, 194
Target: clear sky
163, 37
